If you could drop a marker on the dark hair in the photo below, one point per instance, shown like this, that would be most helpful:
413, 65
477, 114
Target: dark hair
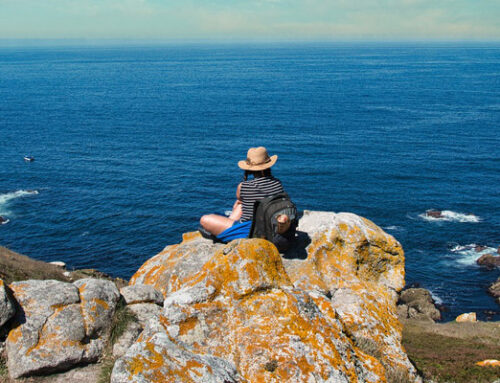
257, 174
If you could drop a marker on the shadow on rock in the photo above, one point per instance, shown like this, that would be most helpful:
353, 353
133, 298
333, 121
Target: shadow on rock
298, 250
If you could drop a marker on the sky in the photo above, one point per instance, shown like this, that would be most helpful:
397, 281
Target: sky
269, 20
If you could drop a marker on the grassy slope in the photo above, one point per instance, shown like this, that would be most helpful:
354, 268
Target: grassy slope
448, 352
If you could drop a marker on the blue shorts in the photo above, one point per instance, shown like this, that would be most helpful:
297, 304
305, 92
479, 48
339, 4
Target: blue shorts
238, 230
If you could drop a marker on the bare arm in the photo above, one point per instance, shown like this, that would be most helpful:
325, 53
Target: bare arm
237, 207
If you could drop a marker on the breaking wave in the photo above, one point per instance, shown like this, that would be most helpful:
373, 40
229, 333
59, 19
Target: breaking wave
436, 298
7, 197
468, 254
451, 216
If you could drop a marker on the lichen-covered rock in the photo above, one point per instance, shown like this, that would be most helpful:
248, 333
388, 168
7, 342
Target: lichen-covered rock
161, 360
140, 293
98, 303
242, 309
168, 269
127, 339
361, 268
466, 317
51, 333
7, 308
145, 311
325, 313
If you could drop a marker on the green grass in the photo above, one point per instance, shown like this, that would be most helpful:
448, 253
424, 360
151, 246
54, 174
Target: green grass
449, 354
122, 318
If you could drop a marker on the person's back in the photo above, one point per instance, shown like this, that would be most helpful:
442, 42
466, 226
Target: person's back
256, 189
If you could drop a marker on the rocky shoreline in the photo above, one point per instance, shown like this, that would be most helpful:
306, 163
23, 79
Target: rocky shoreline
330, 310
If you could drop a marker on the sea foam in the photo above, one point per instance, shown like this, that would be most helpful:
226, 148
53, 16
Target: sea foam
467, 255
451, 216
6, 198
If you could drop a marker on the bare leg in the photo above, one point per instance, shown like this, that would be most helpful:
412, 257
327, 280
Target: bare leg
215, 223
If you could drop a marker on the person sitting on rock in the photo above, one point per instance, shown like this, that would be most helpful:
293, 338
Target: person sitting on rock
258, 184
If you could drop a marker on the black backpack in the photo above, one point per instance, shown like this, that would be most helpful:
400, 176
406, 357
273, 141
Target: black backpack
264, 223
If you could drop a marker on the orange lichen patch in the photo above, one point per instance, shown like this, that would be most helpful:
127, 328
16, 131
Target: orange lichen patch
190, 236
489, 363
187, 325
244, 266
141, 364
99, 303
466, 317
1, 283
159, 270
15, 335
50, 340
158, 366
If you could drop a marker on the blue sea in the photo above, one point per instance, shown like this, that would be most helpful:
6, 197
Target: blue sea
132, 144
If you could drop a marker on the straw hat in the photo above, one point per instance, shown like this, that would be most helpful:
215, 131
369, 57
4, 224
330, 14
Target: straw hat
257, 159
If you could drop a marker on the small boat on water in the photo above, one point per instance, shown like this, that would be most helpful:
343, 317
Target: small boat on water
29, 158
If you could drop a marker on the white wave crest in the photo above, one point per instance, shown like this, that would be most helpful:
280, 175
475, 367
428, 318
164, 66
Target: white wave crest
436, 299
467, 255
451, 216
7, 197
392, 228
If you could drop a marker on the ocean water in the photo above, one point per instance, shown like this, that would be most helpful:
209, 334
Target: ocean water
134, 143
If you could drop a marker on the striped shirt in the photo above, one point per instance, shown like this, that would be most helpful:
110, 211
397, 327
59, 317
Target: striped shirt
255, 189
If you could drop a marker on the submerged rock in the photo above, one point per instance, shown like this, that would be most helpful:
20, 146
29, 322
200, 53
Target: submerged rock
327, 313
434, 213
489, 261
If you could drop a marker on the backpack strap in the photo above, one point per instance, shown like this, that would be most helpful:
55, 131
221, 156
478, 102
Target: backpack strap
254, 214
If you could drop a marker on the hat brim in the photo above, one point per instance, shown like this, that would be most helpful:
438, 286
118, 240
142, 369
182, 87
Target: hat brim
245, 166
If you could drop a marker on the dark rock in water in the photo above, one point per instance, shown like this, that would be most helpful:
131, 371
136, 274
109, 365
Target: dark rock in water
498, 250
3, 220
434, 213
416, 303
480, 248
489, 261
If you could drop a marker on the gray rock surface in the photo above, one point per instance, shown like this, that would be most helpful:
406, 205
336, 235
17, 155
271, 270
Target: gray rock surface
145, 311
495, 290
99, 298
58, 326
417, 303
127, 339
7, 308
140, 293
175, 361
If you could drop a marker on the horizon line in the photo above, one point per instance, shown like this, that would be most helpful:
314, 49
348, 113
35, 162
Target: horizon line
215, 41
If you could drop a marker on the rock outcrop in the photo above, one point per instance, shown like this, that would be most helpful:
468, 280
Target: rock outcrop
417, 303
241, 313
58, 324
489, 261
203, 312
494, 290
